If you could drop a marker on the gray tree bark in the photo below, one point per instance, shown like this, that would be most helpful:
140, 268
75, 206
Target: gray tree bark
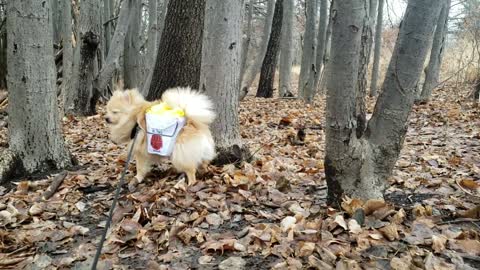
247, 39
378, 48
269, 65
82, 99
252, 71
158, 27
359, 167
152, 33
133, 60
307, 67
221, 62
3, 47
107, 24
286, 53
179, 55
367, 40
33, 122
57, 20
113, 57
432, 72
67, 59
328, 46
321, 43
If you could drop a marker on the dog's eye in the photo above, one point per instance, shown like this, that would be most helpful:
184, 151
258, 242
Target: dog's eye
115, 112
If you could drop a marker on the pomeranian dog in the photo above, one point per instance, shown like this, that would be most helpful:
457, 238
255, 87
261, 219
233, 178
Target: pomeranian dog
194, 145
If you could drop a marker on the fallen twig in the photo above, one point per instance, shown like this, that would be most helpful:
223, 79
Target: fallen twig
56, 182
464, 190
459, 220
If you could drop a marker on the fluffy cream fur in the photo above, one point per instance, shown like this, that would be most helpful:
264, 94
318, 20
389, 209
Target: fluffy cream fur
194, 145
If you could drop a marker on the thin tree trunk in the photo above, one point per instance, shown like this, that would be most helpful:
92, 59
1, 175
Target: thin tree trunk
160, 23
67, 59
83, 99
363, 69
33, 122
360, 167
308, 51
267, 74
3, 48
105, 75
152, 33
179, 57
286, 55
248, 37
432, 72
252, 71
377, 51
132, 58
107, 24
57, 20
221, 62
328, 46
321, 42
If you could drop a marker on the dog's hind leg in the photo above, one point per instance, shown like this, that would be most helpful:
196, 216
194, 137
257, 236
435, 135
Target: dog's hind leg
191, 177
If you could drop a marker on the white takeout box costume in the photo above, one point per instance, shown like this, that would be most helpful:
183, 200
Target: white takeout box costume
163, 126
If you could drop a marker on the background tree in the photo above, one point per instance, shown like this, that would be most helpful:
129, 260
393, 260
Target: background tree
180, 52
133, 60
220, 76
252, 71
321, 45
378, 48
82, 98
359, 166
432, 71
286, 51
3, 46
269, 65
307, 68
35, 135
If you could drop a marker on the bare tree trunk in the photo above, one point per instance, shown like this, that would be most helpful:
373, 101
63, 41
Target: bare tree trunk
252, 71
152, 33
105, 75
160, 23
221, 61
367, 39
248, 37
132, 57
33, 122
267, 74
308, 51
286, 55
57, 20
179, 57
432, 72
321, 42
67, 58
359, 167
107, 24
328, 46
378, 48
3, 47
83, 99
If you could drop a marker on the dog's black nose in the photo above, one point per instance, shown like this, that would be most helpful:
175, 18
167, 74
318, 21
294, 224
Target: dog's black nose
108, 120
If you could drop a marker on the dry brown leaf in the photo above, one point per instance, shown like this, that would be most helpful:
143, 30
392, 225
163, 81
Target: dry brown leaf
438, 243
306, 249
371, 206
390, 232
318, 264
341, 222
470, 184
354, 227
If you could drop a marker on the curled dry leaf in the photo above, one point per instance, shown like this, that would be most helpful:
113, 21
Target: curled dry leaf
288, 223
318, 264
390, 232
350, 205
354, 227
306, 249
36, 209
372, 205
341, 222
470, 184
438, 243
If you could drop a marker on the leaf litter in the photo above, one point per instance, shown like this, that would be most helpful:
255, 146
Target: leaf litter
267, 214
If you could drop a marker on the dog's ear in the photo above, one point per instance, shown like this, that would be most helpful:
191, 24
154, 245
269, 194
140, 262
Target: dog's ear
128, 97
141, 121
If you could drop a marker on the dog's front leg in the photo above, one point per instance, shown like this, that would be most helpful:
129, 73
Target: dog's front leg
143, 167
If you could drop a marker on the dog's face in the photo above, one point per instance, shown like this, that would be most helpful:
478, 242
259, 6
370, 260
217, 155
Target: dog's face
120, 115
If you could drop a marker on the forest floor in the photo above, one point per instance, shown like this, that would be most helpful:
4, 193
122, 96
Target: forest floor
270, 213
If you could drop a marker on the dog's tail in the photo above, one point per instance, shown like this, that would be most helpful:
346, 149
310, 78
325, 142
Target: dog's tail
198, 107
